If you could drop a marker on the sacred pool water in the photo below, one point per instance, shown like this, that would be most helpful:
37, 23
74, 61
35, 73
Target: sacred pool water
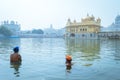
44, 59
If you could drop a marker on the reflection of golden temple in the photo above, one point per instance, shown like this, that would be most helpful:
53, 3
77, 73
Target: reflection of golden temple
84, 48
87, 28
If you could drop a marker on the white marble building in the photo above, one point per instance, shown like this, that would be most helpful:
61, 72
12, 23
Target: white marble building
115, 26
13, 26
51, 32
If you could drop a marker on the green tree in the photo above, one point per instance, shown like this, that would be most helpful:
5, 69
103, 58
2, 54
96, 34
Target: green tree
37, 31
4, 31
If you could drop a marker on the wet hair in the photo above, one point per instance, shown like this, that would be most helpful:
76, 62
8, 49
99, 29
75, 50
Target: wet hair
16, 49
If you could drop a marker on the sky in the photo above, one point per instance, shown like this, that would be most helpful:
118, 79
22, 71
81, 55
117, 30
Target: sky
40, 14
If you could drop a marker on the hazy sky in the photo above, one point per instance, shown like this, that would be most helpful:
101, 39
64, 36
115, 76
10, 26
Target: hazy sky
41, 13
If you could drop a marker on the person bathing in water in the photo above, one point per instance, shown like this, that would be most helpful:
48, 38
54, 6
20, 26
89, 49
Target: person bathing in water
68, 62
15, 61
15, 57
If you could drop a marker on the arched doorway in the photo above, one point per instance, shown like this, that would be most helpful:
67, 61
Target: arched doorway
72, 35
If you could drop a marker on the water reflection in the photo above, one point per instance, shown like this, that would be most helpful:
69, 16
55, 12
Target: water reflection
117, 50
68, 69
85, 50
92, 59
6, 46
16, 66
9, 42
112, 48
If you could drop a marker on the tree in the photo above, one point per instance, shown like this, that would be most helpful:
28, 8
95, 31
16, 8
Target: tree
37, 31
4, 31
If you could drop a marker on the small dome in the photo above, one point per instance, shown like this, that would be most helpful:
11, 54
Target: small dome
74, 21
69, 20
117, 19
12, 22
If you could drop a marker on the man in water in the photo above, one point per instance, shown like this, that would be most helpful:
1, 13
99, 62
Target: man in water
68, 62
15, 61
15, 57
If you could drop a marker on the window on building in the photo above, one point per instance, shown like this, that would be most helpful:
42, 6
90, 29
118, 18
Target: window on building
83, 29
90, 35
72, 35
80, 29
83, 35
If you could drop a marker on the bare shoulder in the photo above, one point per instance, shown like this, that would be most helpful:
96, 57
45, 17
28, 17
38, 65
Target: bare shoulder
19, 55
12, 54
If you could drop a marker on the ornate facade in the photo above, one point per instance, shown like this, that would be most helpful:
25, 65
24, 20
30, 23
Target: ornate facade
115, 26
13, 26
89, 27
112, 31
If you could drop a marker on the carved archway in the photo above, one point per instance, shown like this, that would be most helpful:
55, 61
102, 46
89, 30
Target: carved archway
72, 35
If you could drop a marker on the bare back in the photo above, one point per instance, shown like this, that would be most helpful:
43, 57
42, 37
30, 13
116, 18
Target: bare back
15, 57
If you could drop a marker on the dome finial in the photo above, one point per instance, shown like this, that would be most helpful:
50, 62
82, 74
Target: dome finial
87, 15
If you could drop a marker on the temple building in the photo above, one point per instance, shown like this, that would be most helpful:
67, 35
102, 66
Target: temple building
112, 31
115, 26
88, 28
13, 26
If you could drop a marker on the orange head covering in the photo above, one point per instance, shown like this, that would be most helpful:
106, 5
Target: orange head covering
68, 57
